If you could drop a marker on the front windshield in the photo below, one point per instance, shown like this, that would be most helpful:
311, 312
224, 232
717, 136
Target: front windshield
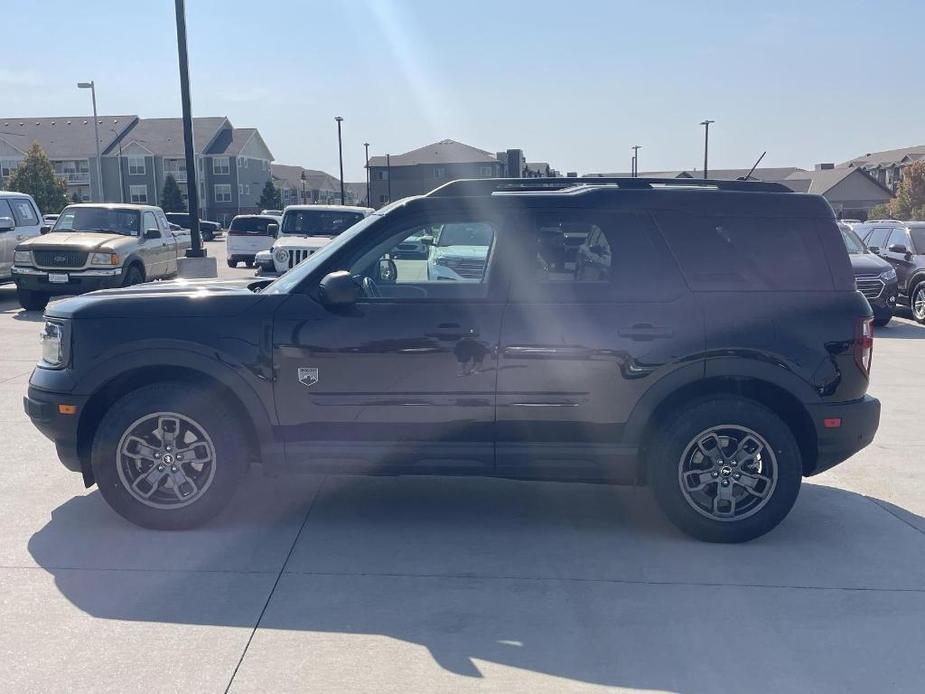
918, 239
319, 222
103, 219
465, 235
854, 245
294, 277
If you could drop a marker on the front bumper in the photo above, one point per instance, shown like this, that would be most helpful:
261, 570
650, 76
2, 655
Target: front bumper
79, 281
42, 408
859, 421
885, 303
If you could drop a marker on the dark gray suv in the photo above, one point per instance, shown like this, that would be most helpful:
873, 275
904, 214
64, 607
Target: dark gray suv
902, 245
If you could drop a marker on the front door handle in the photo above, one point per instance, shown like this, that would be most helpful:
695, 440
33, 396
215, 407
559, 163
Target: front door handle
452, 331
644, 332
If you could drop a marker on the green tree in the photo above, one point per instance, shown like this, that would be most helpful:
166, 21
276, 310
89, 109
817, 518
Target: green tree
909, 202
172, 196
36, 176
881, 211
270, 197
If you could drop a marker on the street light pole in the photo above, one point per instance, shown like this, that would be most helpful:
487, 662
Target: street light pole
192, 187
366, 145
706, 145
388, 174
91, 85
636, 149
340, 154
302, 176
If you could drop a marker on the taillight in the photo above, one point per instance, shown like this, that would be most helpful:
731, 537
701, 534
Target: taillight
864, 344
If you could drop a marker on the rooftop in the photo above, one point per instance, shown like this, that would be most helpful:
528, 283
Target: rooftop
443, 152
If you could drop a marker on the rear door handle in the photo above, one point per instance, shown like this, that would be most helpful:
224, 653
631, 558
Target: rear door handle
452, 331
644, 332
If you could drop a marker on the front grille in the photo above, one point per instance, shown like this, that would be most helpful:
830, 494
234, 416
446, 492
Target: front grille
470, 269
297, 255
62, 258
869, 285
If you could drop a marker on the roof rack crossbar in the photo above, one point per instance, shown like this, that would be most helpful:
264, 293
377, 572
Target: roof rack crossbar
474, 187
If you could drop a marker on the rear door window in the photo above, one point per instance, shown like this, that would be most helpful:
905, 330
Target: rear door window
746, 253
251, 226
23, 212
592, 255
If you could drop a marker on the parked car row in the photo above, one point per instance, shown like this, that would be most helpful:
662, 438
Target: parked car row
902, 246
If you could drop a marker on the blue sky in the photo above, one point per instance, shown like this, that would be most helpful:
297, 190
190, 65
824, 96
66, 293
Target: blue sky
572, 83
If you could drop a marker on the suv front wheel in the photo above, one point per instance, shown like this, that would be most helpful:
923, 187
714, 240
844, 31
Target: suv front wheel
725, 469
918, 302
168, 456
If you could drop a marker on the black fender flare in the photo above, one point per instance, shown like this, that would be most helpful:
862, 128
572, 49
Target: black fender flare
254, 393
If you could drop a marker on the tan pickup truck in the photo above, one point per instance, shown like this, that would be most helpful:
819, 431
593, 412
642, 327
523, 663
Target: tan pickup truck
96, 246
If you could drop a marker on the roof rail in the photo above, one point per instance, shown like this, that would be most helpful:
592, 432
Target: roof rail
474, 187
884, 221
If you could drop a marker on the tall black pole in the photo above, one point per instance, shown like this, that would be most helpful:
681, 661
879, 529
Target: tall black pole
340, 153
192, 187
388, 173
636, 149
706, 146
368, 203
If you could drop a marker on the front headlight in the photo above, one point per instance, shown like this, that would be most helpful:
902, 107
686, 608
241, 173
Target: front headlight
888, 275
281, 254
108, 259
54, 344
22, 257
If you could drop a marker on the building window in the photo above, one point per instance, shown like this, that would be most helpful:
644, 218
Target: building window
439, 172
221, 166
223, 191
381, 199
247, 188
138, 194
382, 175
240, 189
488, 171
7, 166
136, 166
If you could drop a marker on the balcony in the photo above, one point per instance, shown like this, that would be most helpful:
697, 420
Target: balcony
74, 178
179, 176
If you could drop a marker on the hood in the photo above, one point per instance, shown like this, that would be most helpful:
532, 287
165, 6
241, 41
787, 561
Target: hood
462, 252
177, 297
293, 241
78, 240
868, 264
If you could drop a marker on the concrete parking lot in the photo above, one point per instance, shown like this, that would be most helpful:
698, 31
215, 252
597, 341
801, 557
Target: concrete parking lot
342, 584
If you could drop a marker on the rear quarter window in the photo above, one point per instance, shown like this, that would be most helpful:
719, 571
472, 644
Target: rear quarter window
24, 212
747, 253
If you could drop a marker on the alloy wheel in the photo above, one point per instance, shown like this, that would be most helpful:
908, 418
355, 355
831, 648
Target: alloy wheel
166, 460
727, 473
918, 303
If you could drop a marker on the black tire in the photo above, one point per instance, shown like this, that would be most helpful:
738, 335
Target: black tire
917, 302
132, 276
207, 234
249, 262
31, 300
222, 430
881, 322
233, 261
673, 440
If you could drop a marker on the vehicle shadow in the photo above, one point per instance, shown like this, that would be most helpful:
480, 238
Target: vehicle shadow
901, 329
581, 582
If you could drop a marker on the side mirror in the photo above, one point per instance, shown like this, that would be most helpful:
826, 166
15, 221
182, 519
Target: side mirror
7, 224
388, 270
272, 229
45, 229
427, 240
899, 248
338, 289
873, 249
152, 234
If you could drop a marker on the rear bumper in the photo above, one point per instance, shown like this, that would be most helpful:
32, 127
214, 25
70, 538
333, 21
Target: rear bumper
42, 408
79, 281
859, 420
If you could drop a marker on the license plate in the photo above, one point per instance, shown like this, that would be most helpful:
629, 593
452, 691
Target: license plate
58, 277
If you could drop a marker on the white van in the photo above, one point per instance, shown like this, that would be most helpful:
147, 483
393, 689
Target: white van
19, 220
248, 234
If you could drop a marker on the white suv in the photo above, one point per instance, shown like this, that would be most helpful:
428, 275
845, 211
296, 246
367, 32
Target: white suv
19, 220
306, 228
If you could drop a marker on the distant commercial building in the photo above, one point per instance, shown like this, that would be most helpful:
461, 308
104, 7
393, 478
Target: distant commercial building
233, 164
421, 170
301, 186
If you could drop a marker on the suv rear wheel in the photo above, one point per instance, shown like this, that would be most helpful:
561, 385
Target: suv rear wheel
168, 456
725, 469
918, 302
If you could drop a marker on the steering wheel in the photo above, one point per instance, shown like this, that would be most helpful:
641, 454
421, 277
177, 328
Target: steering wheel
370, 288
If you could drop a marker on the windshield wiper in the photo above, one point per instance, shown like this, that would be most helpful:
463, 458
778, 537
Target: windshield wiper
109, 231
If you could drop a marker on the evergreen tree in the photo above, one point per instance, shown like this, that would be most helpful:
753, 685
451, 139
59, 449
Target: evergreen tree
909, 202
270, 197
172, 196
36, 176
